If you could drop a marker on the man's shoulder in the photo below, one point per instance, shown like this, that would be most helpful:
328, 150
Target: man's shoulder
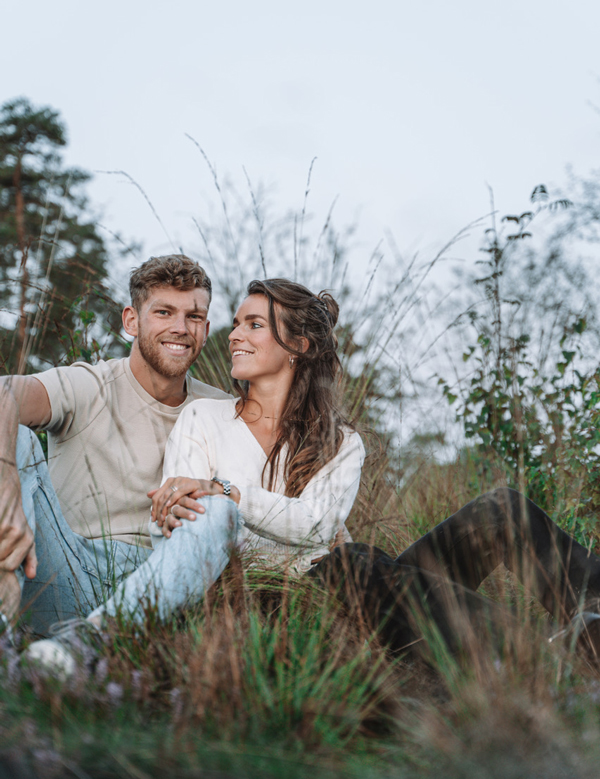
81, 374
198, 390
104, 369
79, 392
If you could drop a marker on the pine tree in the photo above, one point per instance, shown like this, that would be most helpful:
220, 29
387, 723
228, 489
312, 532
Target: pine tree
53, 261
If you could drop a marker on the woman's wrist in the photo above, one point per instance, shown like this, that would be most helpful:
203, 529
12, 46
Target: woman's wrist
225, 487
234, 493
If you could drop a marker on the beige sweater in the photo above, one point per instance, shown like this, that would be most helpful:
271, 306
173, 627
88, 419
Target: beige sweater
106, 442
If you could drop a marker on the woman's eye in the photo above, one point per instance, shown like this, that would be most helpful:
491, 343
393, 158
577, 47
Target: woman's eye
256, 324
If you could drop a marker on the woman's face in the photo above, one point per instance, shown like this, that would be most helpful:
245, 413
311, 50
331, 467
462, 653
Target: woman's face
255, 352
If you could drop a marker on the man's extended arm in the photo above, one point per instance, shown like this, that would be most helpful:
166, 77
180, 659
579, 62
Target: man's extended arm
23, 400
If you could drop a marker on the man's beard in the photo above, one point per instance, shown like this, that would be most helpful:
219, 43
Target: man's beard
152, 354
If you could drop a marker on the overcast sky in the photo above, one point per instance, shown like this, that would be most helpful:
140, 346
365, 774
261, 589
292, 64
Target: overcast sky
412, 108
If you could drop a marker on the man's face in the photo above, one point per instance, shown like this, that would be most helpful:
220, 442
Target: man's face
171, 329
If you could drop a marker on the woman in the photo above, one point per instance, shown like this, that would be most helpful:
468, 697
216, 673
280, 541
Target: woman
277, 471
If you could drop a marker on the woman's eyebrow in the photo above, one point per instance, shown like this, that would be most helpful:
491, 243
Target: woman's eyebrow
249, 318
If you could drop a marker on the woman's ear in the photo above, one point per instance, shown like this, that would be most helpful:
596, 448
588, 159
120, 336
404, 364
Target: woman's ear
303, 344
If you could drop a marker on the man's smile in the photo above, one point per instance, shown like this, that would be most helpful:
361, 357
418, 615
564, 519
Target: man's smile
175, 348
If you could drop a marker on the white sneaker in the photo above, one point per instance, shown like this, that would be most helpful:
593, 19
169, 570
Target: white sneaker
73, 642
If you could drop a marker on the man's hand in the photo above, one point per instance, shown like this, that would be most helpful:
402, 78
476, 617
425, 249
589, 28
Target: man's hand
22, 399
176, 500
16, 538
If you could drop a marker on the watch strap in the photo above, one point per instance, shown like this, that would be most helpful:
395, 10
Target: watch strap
224, 483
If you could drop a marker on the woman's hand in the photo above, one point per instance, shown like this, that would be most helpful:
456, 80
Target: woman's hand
176, 500
178, 490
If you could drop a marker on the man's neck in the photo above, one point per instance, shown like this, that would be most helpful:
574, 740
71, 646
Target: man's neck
170, 391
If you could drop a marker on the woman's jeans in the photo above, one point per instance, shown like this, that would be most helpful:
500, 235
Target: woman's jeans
75, 575
432, 583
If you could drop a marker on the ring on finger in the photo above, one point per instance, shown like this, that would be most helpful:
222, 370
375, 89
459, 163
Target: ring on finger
174, 488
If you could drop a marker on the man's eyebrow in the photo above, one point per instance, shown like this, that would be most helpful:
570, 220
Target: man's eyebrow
161, 304
171, 307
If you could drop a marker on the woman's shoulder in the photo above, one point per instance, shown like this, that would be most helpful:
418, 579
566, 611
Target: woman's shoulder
352, 443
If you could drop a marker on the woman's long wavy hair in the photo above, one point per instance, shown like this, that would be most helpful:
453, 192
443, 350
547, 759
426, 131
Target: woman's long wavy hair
312, 424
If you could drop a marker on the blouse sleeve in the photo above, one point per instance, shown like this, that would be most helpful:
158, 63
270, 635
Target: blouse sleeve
312, 519
185, 455
186, 452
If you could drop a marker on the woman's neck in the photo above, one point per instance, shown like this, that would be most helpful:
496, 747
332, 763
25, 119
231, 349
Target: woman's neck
265, 403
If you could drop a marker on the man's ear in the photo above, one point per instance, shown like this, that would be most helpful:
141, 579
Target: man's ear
206, 333
130, 320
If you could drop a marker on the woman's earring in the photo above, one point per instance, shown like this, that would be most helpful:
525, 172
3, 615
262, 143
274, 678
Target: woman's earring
291, 361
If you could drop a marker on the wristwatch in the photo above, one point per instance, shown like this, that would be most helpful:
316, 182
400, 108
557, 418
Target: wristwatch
224, 483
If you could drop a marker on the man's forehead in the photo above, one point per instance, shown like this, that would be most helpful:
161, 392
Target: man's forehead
196, 299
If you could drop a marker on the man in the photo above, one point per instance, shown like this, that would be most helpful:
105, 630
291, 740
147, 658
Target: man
107, 429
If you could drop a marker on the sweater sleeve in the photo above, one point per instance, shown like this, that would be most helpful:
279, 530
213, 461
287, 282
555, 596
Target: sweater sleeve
312, 519
185, 455
77, 393
186, 452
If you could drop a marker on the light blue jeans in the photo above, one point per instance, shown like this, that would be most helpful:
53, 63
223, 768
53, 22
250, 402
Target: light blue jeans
77, 575
181, 568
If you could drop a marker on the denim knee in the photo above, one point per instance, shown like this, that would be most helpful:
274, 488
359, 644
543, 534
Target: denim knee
222, 511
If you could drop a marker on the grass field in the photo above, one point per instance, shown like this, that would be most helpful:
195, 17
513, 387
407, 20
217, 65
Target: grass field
270, 677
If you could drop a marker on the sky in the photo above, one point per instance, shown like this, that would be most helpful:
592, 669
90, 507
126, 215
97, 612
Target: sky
411, 109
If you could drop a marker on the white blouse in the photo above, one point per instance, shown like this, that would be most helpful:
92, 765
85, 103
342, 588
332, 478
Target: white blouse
208, 440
